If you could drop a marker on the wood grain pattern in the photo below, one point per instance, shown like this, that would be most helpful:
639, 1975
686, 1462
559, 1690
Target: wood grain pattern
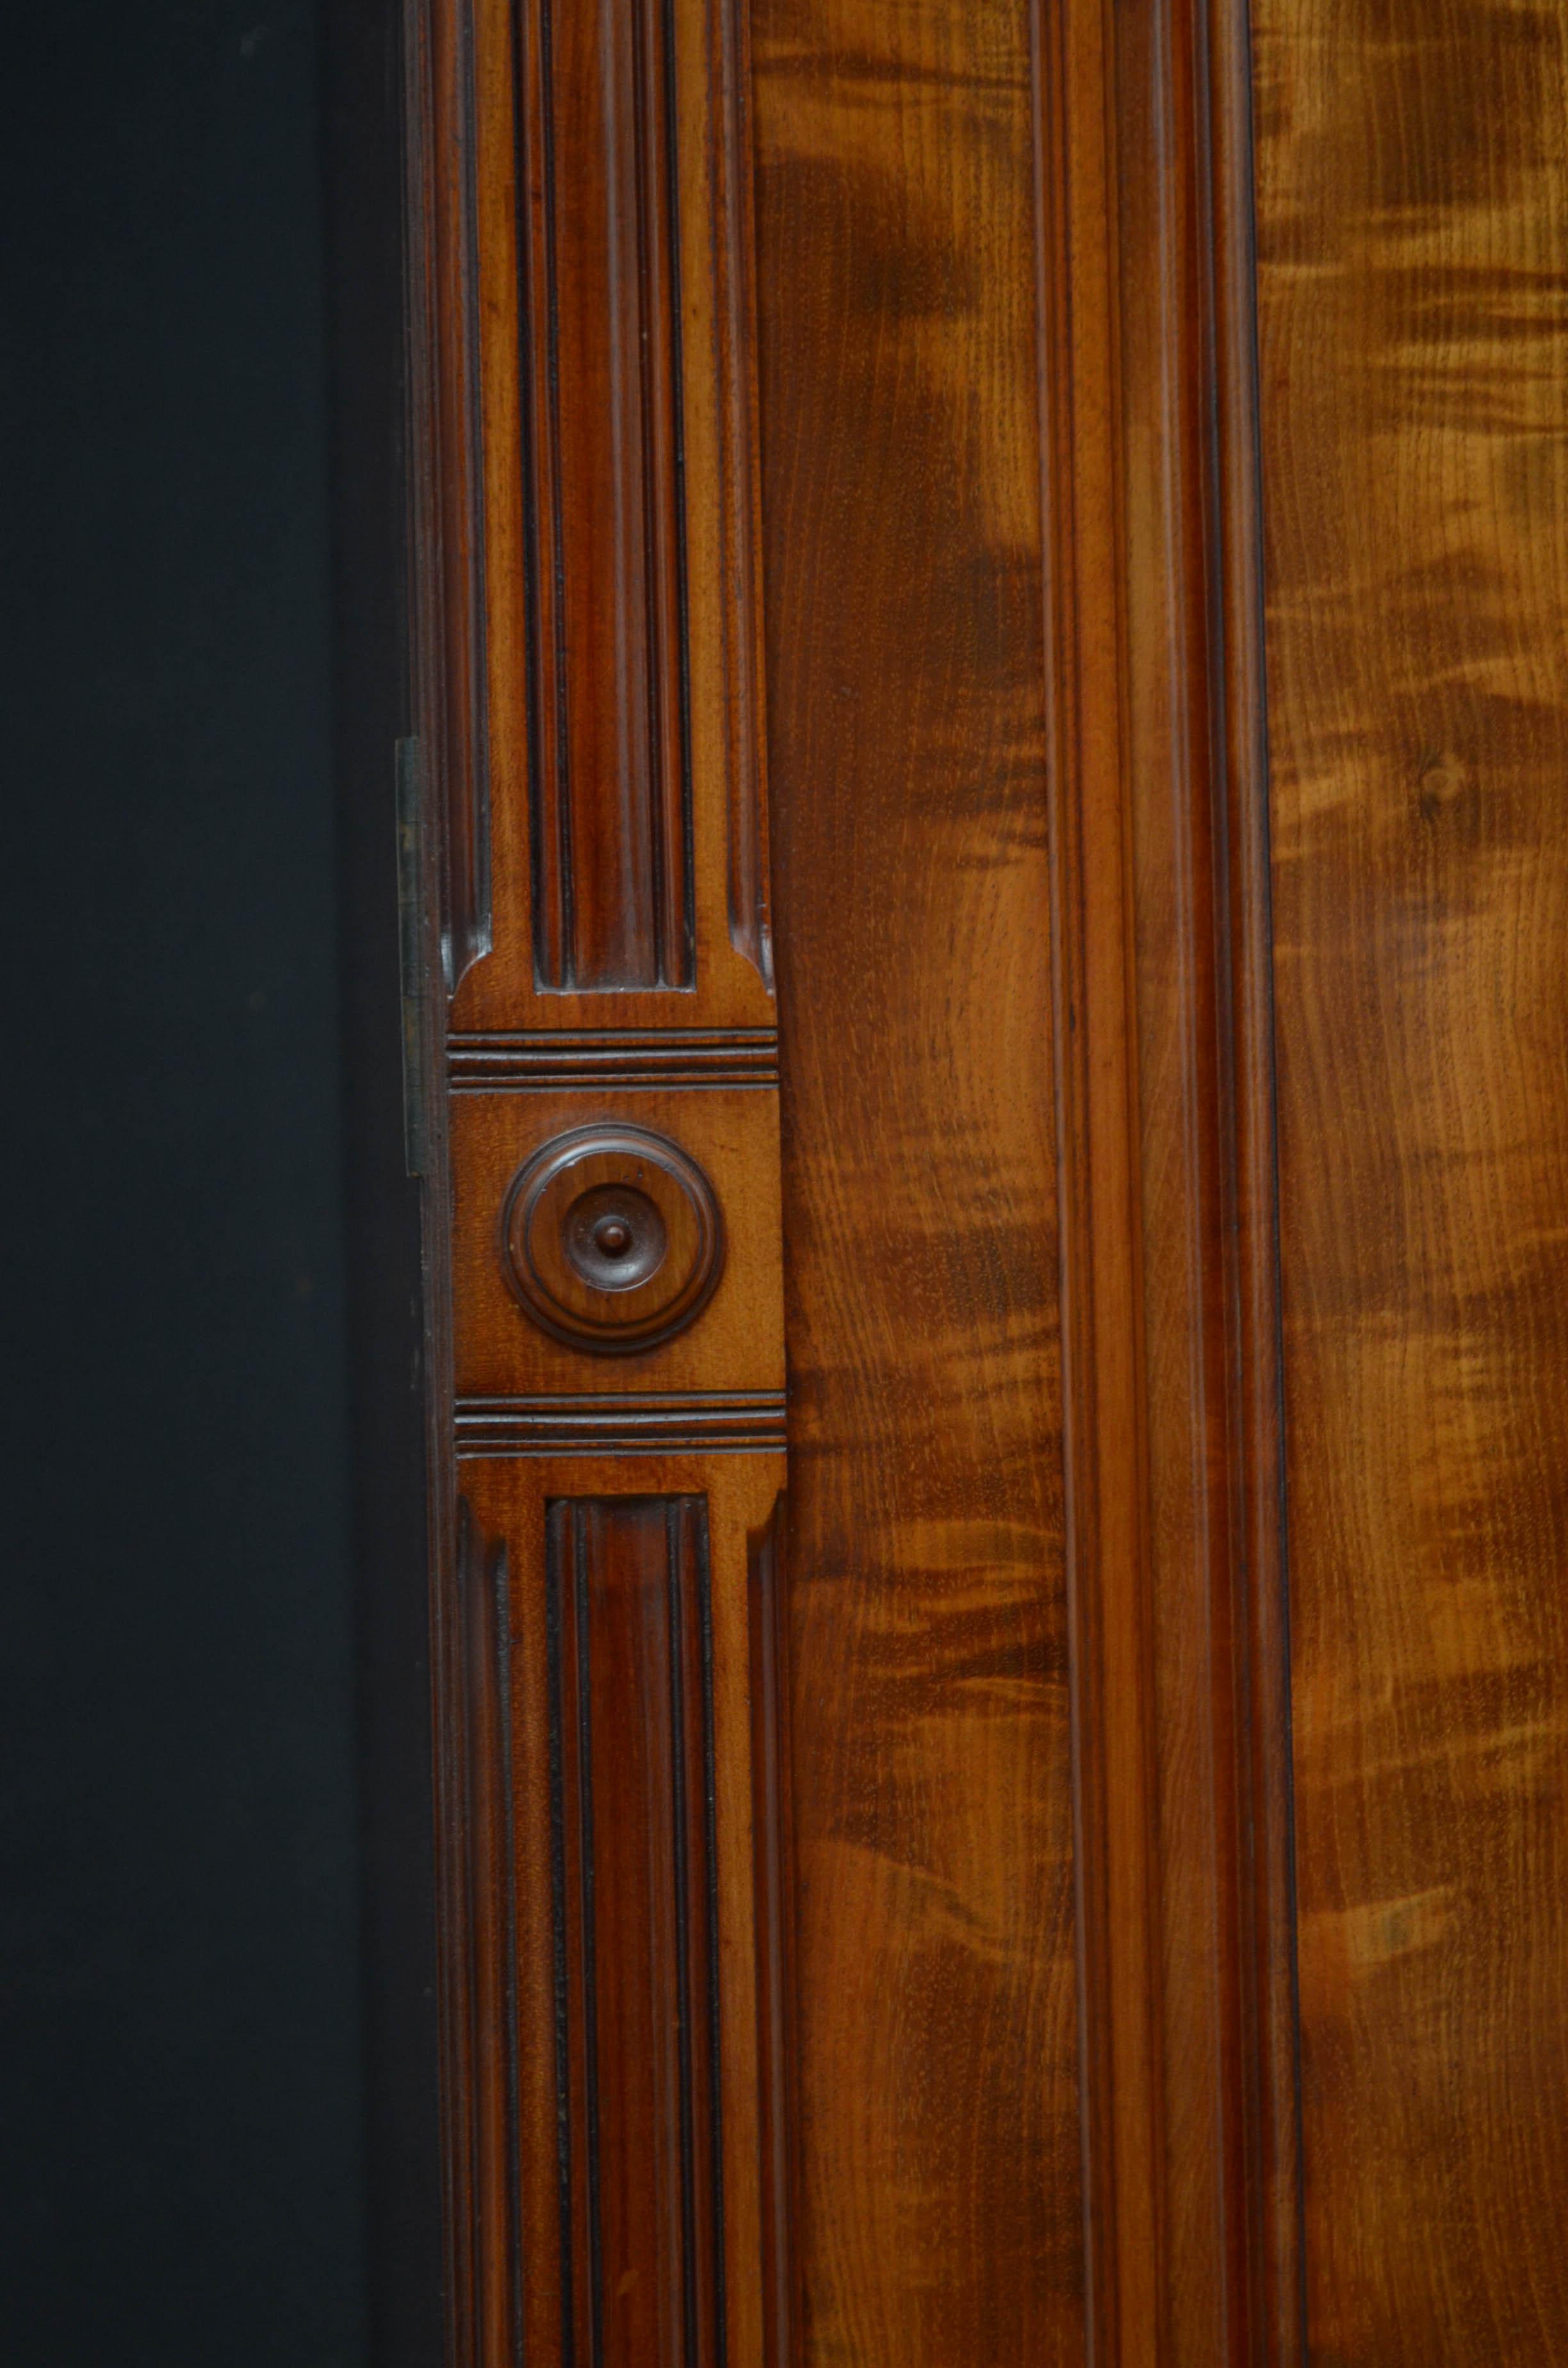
1165, 1113
1175, 559
936, 2071
1015, 2048
584, 454
1105, 1441
1413, 192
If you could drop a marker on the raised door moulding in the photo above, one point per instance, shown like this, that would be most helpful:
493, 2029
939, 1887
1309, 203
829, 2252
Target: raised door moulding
773, 1874
1172, 1375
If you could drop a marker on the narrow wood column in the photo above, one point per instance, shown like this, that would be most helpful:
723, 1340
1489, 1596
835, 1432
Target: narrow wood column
593, 1054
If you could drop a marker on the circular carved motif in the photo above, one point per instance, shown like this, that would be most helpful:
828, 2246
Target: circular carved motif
611, 1239
614, 1238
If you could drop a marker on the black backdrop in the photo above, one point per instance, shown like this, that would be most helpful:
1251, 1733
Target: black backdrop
216, 2139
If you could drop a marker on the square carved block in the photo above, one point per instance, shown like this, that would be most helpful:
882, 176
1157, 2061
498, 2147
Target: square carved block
549, 1195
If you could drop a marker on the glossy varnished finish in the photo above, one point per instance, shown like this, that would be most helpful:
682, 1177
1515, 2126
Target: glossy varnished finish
1413, 192
629, 1628
613, 1995
1219, 2282
940, 508
612, 411
599, 1134
735, 1341
603, 556
936, 2038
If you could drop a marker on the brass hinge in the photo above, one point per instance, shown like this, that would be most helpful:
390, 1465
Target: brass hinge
411, 953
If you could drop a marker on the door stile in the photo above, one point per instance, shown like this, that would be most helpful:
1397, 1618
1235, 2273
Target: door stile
593, 1058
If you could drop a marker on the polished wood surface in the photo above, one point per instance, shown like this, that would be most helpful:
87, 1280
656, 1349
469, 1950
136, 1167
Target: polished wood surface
936, 2051
613, 1831
603, 561
1010, 1940
1413, 213
629, 1625
773, 1849
862, 534
1201, 2211
612, 410
597, 1059
737, 1343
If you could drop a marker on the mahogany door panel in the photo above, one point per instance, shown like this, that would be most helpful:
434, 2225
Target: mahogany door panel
985, 940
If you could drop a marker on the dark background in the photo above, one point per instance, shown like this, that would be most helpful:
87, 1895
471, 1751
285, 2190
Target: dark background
216, 2126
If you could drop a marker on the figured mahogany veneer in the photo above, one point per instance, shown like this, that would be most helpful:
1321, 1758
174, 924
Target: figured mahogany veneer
899, 1936
1412, 227
1040, 1737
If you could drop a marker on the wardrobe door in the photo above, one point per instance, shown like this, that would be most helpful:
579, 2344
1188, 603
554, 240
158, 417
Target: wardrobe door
984, 953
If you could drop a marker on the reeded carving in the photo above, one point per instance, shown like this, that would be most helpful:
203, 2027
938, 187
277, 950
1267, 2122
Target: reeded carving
607, 659
636, 1422
611, 1239
613, 1060
635, 1883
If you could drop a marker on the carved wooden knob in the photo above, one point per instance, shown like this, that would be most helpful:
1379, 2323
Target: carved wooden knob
611, 1239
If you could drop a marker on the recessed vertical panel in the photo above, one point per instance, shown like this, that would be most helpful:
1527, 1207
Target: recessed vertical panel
636, 1925
598, 448
619, 1895
601, 428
